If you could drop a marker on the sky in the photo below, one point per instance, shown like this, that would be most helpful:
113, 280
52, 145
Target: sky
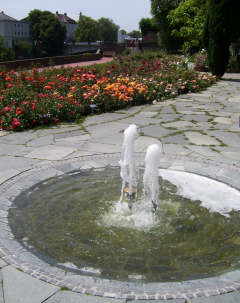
125, 13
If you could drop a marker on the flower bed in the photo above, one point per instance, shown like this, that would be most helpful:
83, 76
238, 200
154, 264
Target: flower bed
32, 98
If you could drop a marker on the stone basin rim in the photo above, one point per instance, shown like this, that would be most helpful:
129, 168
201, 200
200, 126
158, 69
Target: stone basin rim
14, 254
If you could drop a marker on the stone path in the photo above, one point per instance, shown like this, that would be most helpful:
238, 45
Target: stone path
203, 125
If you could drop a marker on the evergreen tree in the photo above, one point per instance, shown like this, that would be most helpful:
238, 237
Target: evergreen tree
221, 29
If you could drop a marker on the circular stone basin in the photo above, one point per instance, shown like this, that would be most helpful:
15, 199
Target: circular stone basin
75, 221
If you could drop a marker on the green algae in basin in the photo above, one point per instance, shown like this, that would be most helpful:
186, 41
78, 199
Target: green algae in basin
75, 220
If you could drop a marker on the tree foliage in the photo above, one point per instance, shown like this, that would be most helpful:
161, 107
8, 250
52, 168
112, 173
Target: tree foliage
147, 25
6, 53
135, 34
26, 48
222, 28
47, 32
188, 21
108, 29
87, 29
123, 32
160, 10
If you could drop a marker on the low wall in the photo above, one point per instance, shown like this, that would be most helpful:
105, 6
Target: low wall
49, 61
116, 47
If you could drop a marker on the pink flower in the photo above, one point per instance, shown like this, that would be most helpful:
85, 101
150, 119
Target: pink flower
59, 105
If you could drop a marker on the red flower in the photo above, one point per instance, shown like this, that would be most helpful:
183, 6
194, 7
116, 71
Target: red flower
19, 112
59, 105
15, 123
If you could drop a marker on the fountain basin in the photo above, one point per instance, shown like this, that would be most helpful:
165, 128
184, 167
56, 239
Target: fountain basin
12, 189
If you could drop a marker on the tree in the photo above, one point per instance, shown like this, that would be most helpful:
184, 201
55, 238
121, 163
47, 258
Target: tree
26, 48
135, 34
87, 29
222, 28
188, 21
123, 32
6, 53
47, 32
108, 29
147, 25
160, 10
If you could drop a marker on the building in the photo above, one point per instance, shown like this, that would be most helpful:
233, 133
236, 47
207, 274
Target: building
70, 24
14, 30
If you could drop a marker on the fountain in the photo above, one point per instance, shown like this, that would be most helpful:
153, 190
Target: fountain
150, 177
129, 170
73, 218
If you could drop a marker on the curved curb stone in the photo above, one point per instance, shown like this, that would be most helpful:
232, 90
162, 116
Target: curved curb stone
13, 253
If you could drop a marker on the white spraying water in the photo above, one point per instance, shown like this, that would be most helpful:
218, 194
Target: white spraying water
150, 177
129, 170
214, 195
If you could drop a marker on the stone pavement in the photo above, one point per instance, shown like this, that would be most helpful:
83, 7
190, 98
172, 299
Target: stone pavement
203, 125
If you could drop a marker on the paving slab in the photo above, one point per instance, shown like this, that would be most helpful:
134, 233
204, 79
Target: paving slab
1, 289
106, 129
7, 174
142, 121
73, 297
103, 118
40, 141
19, 287
228, 138
2, 263
156, 131
203, 150
177, 139
50, 152
179, 124
223, 120
18, 163
226, 298
75, 139
7, 149
16, 138
175, 149
101, 147
199, 139
200, 118
59, 129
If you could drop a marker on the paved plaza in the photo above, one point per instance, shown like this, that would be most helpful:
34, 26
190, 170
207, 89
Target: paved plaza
202, 126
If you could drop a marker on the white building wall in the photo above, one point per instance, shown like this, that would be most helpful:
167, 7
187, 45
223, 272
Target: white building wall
15, 30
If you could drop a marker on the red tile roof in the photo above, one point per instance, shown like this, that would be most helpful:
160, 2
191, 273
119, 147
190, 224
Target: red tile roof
63, 18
